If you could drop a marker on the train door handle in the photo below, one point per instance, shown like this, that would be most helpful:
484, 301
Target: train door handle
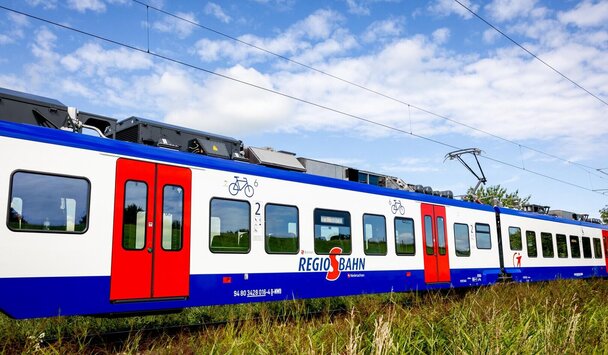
149, 250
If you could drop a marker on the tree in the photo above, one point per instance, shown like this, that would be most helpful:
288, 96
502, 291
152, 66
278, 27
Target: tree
604, 214
492, 194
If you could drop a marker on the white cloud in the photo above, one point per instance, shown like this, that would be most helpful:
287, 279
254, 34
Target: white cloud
385, 29
170, 24
506, 10
318, 31
358, 7
490, 35
441, 35
93, 59
87, 5
217, 11
586, 14
449, 7
46, 4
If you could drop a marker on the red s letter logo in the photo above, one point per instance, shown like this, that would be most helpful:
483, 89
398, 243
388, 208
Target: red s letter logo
334, 273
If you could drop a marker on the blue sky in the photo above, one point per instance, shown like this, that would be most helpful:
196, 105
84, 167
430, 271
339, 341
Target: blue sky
432, 55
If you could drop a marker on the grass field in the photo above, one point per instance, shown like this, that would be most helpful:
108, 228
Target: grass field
555, 317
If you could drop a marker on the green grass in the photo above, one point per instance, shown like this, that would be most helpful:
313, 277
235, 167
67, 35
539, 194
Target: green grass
565, 316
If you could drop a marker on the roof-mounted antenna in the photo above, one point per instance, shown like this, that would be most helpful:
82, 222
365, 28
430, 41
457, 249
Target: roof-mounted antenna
457, 154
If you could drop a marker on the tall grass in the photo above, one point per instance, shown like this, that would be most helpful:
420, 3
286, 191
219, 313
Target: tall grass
565, 316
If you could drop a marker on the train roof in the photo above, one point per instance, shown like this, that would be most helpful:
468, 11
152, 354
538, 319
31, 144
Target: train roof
64, 138
548, 217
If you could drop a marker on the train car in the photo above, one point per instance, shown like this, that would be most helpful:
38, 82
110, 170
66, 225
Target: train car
100, 226
540, 247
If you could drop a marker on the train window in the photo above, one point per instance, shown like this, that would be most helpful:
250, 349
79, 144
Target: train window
531, 244
134, 215
586, 247
461, 239
515, 238
173, 214
332, 229
597, 248
281, 229
229, 226
575, 246
441, 236
428, 235
562, 246
374, 234
482, 235
546, 240
404, 236
48, 203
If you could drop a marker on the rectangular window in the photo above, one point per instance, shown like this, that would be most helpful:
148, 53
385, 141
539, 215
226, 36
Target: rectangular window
531, 244
441, 236
404, 236
229, 226
597, 248
134, 215
562, 246
575, 246
48, 203
428, 235
482, 235
173, 217
515, 238
586, 247
281, 229
332, 229
374, 234
461, 239
546, 240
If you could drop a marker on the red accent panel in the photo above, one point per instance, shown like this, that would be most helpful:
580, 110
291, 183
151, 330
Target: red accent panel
443, 261
172, 268
430, 261
131, 273
605, 235
436, 266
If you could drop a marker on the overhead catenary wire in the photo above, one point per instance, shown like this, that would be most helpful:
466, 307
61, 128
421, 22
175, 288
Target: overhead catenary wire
308, 102
376, 92
531, 53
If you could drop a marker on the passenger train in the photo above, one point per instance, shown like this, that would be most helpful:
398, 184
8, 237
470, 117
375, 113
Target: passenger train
148, 217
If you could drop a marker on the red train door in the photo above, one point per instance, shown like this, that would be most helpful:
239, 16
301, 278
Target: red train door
436, 259
605, 235
151, 241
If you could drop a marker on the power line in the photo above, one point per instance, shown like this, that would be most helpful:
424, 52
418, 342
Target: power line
376, 92
324, 107
532, 54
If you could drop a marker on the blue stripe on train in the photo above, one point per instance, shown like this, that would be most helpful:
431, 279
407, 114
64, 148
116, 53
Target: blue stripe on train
52, 296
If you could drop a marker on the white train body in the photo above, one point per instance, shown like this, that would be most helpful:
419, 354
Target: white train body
87, 265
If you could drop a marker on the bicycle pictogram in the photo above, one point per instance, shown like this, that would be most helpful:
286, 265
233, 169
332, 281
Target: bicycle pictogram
241, 185
397, 206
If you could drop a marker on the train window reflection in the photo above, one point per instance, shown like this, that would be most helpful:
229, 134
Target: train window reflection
281, 229
374, 234
134, 215
586, 247
531, 244
229, 226
597, 248
575, 246
482, 235
172, 224
48, 203
515, 238
546, 240
461, 239
404, 236
562, 247
332, 229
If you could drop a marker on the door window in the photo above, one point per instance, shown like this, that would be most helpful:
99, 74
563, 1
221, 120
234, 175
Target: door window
173, 214
134, 215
